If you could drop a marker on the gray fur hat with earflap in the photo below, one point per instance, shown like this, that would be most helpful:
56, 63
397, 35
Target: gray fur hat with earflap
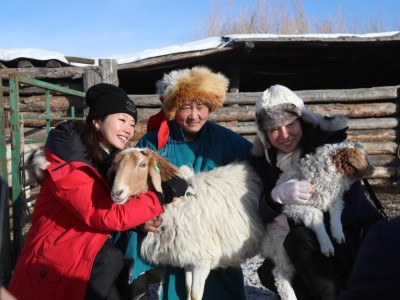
278, 106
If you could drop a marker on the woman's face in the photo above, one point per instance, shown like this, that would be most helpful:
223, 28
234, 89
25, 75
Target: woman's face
115, 130
191, 117
286, 138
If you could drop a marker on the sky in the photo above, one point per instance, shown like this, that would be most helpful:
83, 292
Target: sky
104, 28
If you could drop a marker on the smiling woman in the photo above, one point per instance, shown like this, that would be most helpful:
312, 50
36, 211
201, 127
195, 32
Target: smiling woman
69, 241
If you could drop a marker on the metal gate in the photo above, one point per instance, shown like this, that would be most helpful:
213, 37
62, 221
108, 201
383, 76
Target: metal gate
12, 120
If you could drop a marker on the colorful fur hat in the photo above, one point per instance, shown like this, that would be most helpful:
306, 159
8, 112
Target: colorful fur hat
183, 86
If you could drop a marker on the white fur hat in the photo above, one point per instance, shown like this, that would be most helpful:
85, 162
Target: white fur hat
277, 106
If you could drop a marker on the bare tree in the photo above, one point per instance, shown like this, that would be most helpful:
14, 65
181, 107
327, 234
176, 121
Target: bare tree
280, 17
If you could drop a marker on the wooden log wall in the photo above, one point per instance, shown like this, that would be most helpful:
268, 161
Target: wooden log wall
373, 113
373, 117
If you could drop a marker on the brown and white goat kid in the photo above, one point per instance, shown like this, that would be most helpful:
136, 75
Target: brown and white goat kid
331, 170
215, 224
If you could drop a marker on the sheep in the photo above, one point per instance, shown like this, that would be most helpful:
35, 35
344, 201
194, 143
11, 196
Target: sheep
215, 224
331, 170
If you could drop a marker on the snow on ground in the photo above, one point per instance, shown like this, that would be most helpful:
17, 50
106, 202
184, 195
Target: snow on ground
253, 288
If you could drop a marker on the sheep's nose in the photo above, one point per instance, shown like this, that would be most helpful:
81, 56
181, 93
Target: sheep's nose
117, 193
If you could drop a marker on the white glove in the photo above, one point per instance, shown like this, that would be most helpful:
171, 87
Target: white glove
292, 192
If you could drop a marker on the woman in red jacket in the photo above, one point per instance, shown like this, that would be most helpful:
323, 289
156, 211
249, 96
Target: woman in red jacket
68, 252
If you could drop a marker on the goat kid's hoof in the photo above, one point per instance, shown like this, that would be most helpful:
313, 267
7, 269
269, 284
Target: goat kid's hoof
340, 240
328, 251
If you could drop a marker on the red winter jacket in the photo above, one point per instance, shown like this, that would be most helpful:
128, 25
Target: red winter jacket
73, 217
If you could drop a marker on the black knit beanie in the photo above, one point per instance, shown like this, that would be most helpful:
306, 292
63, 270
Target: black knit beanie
105, 99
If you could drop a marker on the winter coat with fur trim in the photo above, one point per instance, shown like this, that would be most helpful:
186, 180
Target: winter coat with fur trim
73, 217
358, 211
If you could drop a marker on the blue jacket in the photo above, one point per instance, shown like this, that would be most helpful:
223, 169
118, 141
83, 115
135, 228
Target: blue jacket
216, 146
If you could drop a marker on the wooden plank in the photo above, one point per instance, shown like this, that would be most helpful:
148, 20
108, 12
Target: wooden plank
360, 110
246, 114
384, 172
50, 73
380, 148
80, 60
385, 160
309, 96
377, 135
90, 78
58, 103
109, 72
159, 60
374, 123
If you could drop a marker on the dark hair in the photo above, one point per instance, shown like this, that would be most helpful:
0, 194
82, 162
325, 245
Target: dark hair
308, 130
90, 138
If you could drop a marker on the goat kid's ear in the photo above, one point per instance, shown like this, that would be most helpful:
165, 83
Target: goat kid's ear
154, 174
356, 163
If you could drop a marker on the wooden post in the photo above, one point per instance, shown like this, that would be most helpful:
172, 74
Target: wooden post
90, 78
109, 70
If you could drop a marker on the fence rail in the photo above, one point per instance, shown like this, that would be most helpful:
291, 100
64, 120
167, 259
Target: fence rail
13, 121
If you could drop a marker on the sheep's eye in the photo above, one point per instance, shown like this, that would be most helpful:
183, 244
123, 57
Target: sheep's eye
142, 165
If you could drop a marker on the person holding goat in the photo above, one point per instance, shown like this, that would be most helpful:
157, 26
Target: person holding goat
183, 135
286, 132
68, 252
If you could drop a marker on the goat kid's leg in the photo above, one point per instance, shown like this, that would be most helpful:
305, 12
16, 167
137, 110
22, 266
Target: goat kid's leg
283, 275
335, 213
200, 274
313, 218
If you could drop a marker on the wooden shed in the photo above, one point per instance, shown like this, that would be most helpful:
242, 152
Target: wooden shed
352, 75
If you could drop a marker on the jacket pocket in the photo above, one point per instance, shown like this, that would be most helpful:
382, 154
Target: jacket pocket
45, 269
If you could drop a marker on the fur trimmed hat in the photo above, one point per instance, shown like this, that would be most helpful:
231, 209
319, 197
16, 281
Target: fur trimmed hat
105, 99
183, 86
279, 106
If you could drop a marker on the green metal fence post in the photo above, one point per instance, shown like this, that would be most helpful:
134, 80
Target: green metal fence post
16, 188
5, 241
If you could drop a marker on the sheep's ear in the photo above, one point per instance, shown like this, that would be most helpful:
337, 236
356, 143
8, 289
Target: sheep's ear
154, 173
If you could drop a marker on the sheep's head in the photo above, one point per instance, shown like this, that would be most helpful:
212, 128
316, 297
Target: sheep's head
39, 164
351, 159
135, 171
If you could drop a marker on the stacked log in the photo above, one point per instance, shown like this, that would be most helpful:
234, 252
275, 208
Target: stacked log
373, 116
373, 119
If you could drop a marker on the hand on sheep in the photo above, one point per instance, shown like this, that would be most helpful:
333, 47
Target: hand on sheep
151, 225
174, 187
292, 192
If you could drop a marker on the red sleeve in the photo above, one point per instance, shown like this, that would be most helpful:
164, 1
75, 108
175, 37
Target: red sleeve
88, 197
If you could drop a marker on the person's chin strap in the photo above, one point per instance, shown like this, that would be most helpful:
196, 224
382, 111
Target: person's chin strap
159, 121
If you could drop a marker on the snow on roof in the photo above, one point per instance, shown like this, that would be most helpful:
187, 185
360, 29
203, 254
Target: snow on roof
10, 54
203, 44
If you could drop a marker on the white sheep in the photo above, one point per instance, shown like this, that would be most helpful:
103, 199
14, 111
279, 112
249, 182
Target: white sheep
331, 170
216, 223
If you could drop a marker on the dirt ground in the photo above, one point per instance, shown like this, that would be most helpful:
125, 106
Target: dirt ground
389, 196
